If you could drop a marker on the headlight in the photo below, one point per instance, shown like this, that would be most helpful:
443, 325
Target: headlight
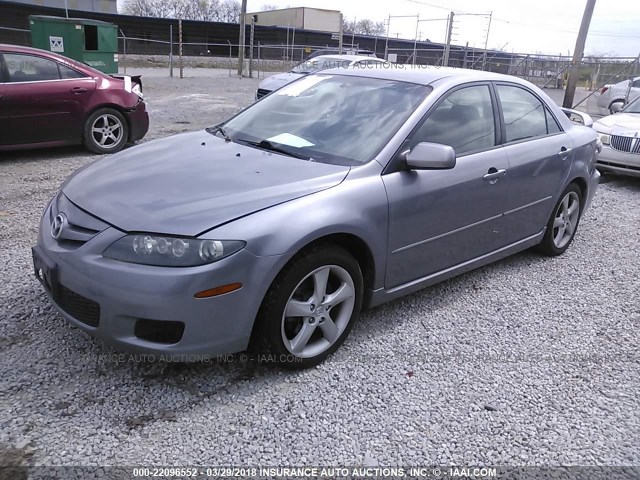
148, 249
605, 138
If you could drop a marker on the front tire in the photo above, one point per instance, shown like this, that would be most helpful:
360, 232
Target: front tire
563, 224
105, 131
621, 102
311, 306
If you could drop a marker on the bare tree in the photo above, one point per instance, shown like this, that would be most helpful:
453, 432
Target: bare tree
364, 27
206, 10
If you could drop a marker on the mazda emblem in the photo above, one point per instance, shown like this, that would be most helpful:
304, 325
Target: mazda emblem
58, 225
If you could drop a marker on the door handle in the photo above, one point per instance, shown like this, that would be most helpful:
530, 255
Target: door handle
78, 90
494, 174
564, 152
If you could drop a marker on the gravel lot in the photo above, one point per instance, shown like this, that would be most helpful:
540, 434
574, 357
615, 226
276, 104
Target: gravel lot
530, 361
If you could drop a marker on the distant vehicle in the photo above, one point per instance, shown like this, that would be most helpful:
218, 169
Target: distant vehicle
612, 96
282, 223
49, 100
620, 137
335, 51
313, 65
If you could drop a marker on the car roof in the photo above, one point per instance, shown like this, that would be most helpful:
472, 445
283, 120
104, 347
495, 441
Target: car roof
420, 74
347, 57
22, 49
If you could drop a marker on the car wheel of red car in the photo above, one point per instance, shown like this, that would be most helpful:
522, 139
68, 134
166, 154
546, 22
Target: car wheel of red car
105, 131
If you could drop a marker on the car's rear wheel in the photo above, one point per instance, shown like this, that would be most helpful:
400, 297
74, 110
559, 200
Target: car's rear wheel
563, 224
312, 306
105, 131
615, 106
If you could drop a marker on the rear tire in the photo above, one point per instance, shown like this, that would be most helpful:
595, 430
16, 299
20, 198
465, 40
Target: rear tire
105, 131
311, 307
563, 224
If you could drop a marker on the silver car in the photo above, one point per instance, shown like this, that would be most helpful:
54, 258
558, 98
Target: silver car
315, 65
612, 96
276, 228
620, 137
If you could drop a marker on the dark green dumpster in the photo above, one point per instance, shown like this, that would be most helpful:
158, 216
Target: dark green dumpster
89, 41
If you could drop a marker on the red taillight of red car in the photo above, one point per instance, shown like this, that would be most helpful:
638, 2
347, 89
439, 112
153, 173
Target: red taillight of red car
604, 89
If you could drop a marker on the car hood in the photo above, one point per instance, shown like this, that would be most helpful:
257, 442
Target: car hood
190, 183
619, 123
276, 81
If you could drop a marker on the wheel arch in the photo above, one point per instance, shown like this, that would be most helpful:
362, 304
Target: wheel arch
114, 106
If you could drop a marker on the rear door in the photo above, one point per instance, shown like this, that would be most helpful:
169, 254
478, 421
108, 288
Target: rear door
540, 155
5, 134
44, 99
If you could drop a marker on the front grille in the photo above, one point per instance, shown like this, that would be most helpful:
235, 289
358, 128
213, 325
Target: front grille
81, 308
625, 144
80, 227
262, 92
159, 331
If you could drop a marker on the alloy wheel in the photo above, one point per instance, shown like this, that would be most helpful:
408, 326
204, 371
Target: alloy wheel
566, 219
107, 130
318, 311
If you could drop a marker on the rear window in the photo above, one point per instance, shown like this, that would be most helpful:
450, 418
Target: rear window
30, 68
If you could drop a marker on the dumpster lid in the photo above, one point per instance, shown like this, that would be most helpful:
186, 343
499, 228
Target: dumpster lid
84, 21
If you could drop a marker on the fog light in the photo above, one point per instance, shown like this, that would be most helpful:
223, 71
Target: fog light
214, 292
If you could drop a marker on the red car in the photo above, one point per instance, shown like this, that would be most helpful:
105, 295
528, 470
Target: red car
49, 100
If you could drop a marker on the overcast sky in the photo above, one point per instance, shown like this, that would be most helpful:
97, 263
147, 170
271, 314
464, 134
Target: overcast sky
546, 26
522, 26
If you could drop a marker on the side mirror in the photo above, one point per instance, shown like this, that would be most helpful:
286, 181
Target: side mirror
431, 156
579, 118
617, 106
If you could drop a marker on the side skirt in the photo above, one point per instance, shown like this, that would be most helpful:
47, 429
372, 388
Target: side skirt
380, 296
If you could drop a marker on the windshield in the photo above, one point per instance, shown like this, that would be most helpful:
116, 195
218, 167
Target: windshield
328, 118
321, 63
633, 107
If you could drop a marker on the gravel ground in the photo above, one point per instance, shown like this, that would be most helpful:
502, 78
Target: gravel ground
530, 361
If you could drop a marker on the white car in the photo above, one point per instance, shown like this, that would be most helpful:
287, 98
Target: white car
620, 137
314, 65
611, 97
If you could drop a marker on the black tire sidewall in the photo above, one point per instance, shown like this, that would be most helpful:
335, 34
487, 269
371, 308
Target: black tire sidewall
90, 142
547, 246
270, 316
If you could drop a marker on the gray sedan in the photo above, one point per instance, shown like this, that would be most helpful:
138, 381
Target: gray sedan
273, 230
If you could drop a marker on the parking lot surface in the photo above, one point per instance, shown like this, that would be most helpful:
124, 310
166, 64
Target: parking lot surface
530, 361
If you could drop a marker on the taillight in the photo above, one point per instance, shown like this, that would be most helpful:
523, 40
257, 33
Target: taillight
604, 89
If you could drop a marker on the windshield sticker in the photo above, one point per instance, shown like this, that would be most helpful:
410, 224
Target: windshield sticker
290, 140
300, 86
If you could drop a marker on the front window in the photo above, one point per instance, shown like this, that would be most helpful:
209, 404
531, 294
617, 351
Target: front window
337, 119
633, 107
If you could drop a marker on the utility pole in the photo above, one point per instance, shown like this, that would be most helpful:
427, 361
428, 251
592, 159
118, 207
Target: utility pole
577, 54
486, 40
447, 47
386, 43
243, 14
341, 34
251, 39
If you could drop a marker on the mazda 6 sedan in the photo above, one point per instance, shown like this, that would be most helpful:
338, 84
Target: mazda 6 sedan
49, 100
277, 227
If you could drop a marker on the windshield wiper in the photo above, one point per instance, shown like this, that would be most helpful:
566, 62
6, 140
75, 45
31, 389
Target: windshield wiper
219, 129
267, 145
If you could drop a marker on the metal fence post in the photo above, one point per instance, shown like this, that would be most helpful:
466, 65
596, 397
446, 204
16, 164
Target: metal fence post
171, 51
180, 41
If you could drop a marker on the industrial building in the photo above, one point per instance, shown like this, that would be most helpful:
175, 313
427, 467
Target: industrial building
98, 6
299, 18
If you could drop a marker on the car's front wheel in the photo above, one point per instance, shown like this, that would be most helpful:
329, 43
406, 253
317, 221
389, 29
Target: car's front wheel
312, 306
105, 131
563, 224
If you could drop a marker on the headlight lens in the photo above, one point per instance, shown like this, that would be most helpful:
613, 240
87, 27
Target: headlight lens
605, 138
148, 249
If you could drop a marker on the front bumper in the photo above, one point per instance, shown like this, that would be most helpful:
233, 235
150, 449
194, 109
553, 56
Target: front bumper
110, 299
138, 119
617, 161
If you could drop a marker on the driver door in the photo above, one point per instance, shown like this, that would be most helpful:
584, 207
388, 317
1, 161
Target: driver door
439, 219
